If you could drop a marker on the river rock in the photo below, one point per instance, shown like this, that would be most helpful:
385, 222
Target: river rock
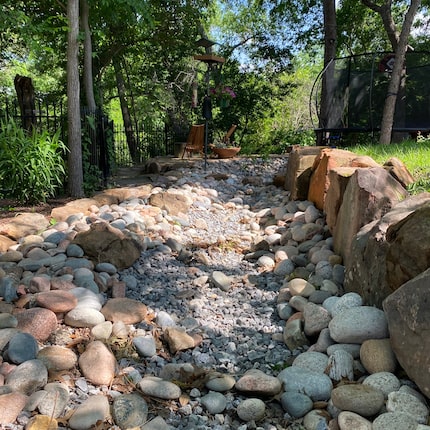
358, 324
57, 301
127, 310
361, 399
376, 355
55, 401
296, 404
384, 381
220, 383
300, 287
83, 317
11, 405
214, 402
28, 377
97, 363
317, 386
251, 410
95, 408
408, 404
22, 347
394, 420
293, 334
312, 360
257, 382
350, 420
130, 410
7, 320
157, 387
57, 358
39, 322
316, 319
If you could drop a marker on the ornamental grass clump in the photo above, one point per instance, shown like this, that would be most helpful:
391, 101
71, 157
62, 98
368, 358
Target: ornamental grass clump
32, 166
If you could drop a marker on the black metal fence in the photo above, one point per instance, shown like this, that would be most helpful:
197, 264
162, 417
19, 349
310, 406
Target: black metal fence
104, 141
152, 140
47, 115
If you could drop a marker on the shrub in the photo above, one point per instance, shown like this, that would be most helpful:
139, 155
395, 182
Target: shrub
31, 164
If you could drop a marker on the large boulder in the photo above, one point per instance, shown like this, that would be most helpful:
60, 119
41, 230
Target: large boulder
74, 207
408, 315
123, 193
105, 244
399, 171
370, 194
23, 225
175, 202
408, 253
338, 178
5, 243
328, 159
366, 268
299, 169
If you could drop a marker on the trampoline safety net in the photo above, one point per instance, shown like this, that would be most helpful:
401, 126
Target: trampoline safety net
358, 89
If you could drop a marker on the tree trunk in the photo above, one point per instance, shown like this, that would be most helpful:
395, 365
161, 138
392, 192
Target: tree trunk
126, 117
88, 58
396, 76
75, 183
25, 94
399, 44
330, 38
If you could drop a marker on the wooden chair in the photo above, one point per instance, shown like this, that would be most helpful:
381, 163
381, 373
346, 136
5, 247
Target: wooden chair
230, 131
195, 141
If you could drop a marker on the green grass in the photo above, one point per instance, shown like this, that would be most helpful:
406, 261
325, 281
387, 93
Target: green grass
415, 156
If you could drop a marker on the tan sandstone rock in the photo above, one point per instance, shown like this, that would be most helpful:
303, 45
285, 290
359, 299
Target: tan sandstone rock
366, 269
300, 162
369, 195
24, 225
103, 243
97, 363
408, 317
376, 355
128, 311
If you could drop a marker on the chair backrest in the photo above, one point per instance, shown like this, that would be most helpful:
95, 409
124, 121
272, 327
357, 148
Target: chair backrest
196, 136
230, 131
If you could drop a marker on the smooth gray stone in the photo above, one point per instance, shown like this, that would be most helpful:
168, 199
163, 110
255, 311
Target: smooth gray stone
157, 387
317, 386
130, 411
145, 346
55, 401
28, 377
106, 267
74, 250
296, 404
22, 347
214, 402
56, 237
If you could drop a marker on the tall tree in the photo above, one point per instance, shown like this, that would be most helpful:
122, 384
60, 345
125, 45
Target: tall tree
75, 183
88, 57
330, 45
399, 43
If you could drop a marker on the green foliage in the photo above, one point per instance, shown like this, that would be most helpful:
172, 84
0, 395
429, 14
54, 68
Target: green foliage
31, 165
270, 109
